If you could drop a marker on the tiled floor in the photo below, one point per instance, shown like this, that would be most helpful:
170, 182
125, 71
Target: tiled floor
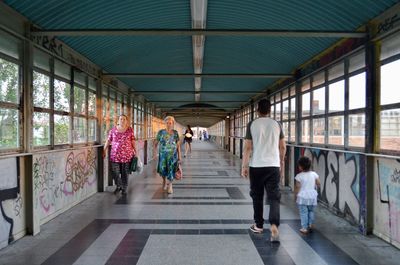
205, 221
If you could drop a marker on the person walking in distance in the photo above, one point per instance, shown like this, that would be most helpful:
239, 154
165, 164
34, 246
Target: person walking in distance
265, 143
188, 141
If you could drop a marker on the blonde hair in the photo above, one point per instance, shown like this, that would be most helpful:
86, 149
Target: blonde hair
169, 118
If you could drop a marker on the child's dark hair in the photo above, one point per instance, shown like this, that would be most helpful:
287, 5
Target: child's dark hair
305, 163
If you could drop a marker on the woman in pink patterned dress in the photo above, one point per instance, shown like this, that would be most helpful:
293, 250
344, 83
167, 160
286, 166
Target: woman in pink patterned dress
122, 143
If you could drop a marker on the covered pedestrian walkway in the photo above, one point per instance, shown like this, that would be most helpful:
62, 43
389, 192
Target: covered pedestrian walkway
205, 221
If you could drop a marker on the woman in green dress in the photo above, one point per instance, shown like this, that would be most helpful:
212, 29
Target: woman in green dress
169, 153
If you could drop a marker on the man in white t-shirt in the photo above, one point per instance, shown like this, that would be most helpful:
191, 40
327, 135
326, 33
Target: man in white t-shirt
265, 143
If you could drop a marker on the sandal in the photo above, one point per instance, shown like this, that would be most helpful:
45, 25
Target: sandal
255, 229
170, 191
303, 231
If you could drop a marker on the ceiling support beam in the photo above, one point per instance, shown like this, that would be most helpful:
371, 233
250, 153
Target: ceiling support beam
204, 32
182, 75
194, 102
194, 92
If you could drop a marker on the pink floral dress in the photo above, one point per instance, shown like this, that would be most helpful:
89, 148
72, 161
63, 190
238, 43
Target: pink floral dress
121, 145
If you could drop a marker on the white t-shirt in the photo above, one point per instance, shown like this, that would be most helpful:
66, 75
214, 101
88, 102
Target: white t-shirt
265, 134
307, 194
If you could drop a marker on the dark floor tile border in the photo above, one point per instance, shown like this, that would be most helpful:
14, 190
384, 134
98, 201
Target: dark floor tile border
233, 192
128, 253
325, 248
74, 248
186, 203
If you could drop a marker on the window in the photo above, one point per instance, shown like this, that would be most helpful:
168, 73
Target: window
336, 96
9, 104
390, 80
318, 106
336, 130
390, 95
305, 131
305, 104
357, 91
62, 92
319, 131
357, 130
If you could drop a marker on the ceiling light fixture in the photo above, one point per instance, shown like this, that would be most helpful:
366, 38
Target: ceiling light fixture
199, 15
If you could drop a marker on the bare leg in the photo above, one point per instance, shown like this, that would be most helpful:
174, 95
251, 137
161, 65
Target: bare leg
164, 184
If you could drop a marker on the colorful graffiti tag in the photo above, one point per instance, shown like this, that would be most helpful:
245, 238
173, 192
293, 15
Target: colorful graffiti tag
343, 181
57, 185
387, 200
9, 190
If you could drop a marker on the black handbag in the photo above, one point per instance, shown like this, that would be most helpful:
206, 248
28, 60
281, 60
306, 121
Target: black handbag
133, 166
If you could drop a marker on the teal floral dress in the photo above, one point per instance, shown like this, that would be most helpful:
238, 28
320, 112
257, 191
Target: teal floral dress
168, 154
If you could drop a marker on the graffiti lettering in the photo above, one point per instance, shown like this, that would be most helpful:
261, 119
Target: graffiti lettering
395, 177
388, 24
340, 180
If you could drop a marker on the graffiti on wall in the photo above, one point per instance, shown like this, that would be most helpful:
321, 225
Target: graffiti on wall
387, 199
9, 194
342, 178
60, 179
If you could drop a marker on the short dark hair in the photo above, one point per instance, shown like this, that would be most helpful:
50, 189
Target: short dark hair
264, 106
305, 163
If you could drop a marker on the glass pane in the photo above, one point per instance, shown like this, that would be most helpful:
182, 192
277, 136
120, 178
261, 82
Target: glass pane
319, 131
336, 130
357, 130
79, 135
104, 131
41, 60
104, 111
390, 46
390, 129
318, 101
61, 69
9, 130
285, 93
62, 93
10, 45
273, 107
285, 128
305, 85
357, 61
278, 112
390, 80
92, 104
112, 112
41, 90
357, 91
80, 78
61, 129
336, 96
285, 110
92, 130
292, 90
9, 82
293, 108
305, 104
305, 131
92, 84
292, 131
336, 71
318, 79
79, 100
41, 129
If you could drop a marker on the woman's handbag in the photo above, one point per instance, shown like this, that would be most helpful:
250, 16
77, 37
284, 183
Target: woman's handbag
179, 173
134, 163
